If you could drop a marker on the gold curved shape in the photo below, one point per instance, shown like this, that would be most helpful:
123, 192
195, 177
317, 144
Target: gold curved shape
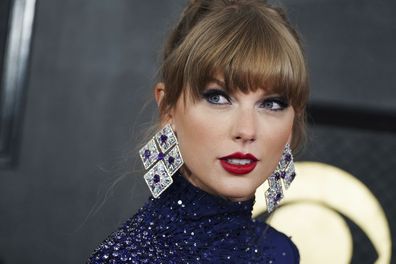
344, 193
317, 239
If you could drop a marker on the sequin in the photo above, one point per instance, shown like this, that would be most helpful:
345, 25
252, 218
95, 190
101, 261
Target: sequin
188, 225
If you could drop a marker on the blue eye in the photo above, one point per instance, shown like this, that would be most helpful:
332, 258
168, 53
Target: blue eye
216, 96
275, 104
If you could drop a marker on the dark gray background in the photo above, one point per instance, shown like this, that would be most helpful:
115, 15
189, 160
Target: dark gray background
92, 70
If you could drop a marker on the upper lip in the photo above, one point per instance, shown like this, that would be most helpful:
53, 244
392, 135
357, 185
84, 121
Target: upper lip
240, 155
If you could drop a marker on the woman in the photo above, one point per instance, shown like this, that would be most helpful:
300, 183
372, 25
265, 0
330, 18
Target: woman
231, 98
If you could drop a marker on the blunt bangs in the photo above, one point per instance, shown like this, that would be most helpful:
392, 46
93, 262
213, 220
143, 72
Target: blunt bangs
249, 50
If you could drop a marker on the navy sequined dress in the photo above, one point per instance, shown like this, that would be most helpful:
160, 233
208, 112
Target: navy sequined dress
188, 225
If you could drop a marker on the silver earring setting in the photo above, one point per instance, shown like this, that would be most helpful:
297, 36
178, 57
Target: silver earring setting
285, 171
162, 155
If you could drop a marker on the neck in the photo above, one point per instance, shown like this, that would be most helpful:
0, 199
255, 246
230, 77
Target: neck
191, 201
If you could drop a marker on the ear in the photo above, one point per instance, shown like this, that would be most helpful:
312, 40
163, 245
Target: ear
159, 93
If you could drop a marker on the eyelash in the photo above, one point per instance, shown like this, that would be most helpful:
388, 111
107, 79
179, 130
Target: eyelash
281, 102
210, 93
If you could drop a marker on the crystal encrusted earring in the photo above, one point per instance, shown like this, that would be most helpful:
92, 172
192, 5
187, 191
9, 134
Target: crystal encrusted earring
162, 155
285, 171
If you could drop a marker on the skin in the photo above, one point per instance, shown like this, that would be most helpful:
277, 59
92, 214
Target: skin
213, 128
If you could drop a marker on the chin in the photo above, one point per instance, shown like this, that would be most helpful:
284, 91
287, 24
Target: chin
238, 190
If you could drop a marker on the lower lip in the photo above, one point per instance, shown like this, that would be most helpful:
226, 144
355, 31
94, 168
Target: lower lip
238, 169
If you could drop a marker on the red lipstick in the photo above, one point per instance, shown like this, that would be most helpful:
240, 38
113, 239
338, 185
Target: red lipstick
236, 168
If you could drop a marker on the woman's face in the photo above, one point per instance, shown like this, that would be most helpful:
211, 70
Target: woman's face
221, 124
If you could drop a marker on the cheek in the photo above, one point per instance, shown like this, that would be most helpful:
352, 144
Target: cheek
275, 133
277, 130
197, 133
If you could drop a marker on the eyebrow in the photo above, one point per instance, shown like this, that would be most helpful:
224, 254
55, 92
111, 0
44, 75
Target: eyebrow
217, 81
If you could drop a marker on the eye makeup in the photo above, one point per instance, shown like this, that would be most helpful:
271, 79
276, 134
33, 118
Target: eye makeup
277, 103
216, 96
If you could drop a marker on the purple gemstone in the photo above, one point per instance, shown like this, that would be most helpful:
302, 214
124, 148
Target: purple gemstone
156, 178
147, 154
171, 160
278, 197
283, 174
292, 176
288, 157
277, 176
163, 139
160, 156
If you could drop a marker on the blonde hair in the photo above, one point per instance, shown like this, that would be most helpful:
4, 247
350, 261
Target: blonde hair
250, 42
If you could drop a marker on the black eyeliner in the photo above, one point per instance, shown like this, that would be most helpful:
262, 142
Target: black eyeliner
281, 101
215, 91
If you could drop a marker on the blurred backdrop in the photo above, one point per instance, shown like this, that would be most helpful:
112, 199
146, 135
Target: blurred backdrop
88, 99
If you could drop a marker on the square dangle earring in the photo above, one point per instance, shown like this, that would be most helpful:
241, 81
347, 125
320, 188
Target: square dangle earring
162, 155
285, 171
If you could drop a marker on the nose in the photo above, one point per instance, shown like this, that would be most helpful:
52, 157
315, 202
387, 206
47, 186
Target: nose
244, 127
